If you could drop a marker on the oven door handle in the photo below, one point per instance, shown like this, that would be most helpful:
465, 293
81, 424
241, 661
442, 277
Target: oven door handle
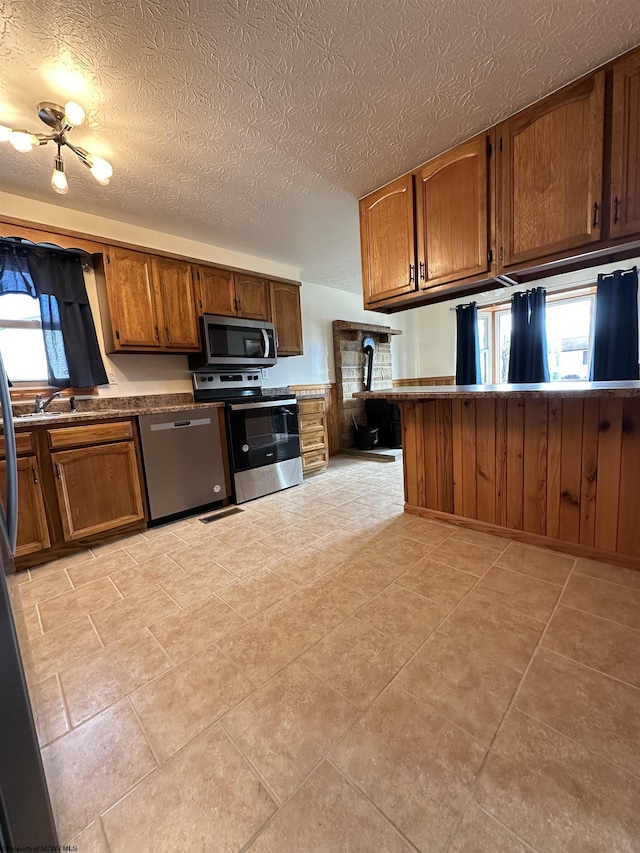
272, 404
265, 341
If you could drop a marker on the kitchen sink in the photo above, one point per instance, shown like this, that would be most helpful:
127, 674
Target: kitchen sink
52, 415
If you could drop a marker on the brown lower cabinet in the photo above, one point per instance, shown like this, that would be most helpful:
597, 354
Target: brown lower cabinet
76, 484
314, 447
33, 530
98, 488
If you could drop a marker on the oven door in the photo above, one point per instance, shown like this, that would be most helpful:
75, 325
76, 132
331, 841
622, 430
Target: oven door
239, 343
263, 433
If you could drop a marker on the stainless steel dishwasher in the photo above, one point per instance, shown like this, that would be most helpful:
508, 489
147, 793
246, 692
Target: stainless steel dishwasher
182, 460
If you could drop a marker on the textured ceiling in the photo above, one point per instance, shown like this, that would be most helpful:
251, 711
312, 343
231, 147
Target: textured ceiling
256, 124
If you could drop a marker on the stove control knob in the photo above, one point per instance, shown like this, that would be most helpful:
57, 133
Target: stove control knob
209, 378
245, 448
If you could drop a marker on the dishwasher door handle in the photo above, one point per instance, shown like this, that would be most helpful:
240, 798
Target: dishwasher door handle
179, 424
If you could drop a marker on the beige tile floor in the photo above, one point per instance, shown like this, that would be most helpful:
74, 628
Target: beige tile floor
322, 673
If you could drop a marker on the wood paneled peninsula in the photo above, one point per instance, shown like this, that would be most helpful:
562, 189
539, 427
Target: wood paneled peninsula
555, 465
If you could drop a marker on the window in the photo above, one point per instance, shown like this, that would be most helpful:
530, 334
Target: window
21, 339
570, 320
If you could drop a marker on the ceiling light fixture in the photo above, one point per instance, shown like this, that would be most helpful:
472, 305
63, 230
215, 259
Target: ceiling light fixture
61, 120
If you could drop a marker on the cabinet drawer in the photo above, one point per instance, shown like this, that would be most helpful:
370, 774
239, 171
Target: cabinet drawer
24, 444
313, 460
307, 407
312, 422
90, 434
312, 441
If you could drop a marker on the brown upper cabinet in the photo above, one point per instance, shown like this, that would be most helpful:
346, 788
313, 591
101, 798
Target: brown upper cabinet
287, 316
551, 174
625, 147
557, 188
454, 209
232, 294
150, 303
176, 304
387, 237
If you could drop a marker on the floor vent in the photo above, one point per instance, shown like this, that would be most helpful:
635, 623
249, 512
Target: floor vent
224, 514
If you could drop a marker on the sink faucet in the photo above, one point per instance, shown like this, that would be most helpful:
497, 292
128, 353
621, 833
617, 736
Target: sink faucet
41, 404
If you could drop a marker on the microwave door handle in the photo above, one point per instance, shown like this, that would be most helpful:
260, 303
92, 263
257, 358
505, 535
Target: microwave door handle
265, 340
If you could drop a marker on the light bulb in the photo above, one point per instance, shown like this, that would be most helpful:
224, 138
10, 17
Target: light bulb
22, 141
5, 133
74, 114
101, 170
58, 177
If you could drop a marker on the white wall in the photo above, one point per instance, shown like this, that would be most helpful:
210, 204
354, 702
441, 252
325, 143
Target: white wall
320, 307
428, 345
162, 374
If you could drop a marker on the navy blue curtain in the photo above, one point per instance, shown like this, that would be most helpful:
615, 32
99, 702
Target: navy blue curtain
615, 343
15, 277
55, 278
58, 278
467, 345
528, 352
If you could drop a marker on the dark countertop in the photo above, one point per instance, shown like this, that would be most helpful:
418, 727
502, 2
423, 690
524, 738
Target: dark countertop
418, 393
107, 414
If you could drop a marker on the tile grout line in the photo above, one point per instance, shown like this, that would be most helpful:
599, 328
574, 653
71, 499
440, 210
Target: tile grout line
511, 704
373, 805
144, 731
598, 755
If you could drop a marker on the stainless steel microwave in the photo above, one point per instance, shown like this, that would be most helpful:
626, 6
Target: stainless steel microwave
229, 342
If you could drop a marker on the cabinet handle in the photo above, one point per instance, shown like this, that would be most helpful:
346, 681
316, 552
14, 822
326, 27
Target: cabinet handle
157, 334
238, 306
596, 207
58, 474
616, 218
166, 328
117, 335
412, 273
422, 270
35, 476
201, 304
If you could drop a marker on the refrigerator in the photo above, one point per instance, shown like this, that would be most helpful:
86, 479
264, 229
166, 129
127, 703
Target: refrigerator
26, 819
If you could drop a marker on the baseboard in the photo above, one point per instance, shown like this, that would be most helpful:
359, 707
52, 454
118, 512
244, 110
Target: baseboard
575, 549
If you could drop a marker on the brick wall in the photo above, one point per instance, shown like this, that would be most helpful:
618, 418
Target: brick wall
350, 362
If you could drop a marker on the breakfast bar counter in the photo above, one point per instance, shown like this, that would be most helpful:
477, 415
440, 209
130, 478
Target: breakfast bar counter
553, 464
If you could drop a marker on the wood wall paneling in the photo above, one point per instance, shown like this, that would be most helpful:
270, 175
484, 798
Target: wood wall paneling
486, 459
570, 470
562, 471
536, 418
628, 515
469, 448
609, 455
515, 466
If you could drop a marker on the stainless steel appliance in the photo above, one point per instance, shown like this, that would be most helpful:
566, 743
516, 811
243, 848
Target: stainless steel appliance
229, 343
26, 820
262, 432
182, 460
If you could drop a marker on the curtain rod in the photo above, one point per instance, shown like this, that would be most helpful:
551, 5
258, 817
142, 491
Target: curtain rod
22, 243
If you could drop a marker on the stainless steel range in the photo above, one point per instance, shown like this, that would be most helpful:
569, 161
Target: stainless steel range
262, 428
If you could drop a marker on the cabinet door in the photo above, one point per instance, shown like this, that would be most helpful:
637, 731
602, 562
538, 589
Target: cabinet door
252, 297
625, 147
387, 238
216, 292
287, 315
33, 530
98, 488
132, 300
178, 320
551, 174
452, 212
